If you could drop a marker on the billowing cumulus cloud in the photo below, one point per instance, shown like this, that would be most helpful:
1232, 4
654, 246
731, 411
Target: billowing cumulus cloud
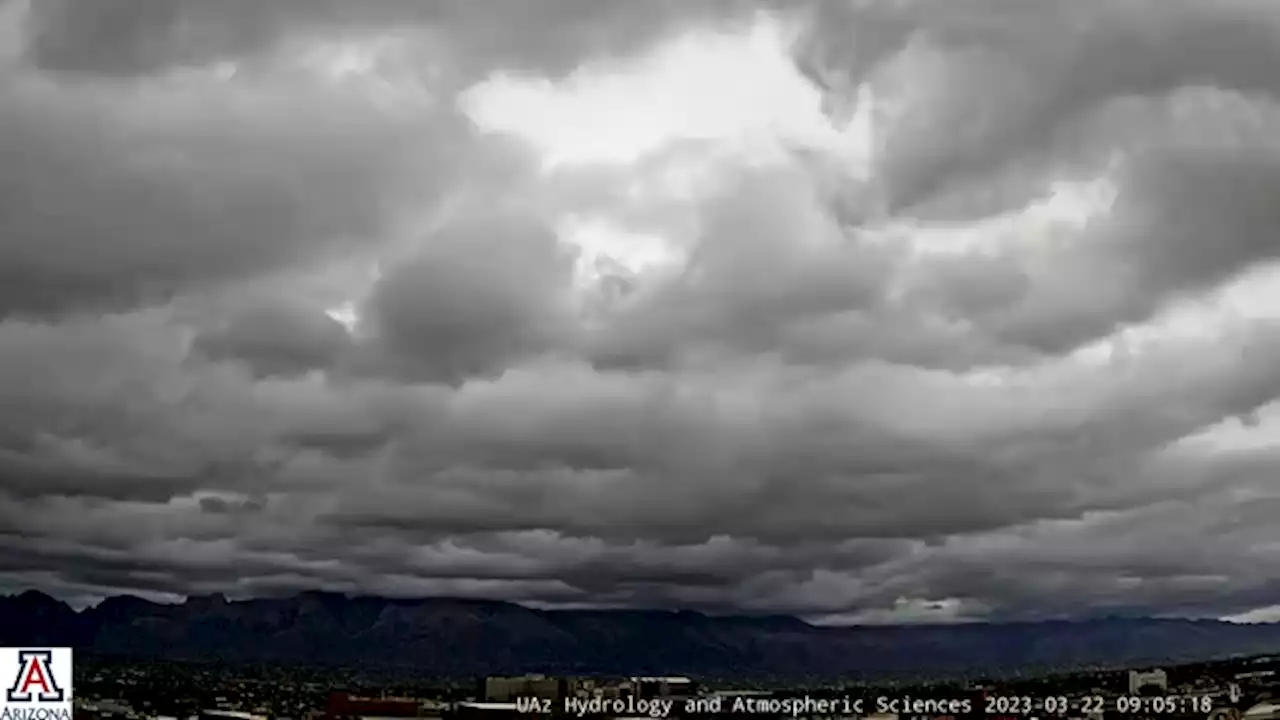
868, 311
481, 294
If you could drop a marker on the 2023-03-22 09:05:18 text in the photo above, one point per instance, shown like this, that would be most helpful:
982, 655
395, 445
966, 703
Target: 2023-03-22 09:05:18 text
1051, 705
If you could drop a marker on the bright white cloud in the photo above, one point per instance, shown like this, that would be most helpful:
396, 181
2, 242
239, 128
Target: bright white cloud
604, 247
739, 88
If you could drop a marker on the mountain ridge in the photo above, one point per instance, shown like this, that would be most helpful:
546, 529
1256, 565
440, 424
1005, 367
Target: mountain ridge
465, 637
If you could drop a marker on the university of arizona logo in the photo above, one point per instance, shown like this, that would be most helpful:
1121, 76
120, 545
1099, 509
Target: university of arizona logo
37, 680
37, 684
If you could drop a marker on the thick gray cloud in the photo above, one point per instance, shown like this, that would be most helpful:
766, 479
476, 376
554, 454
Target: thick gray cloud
277, 339
116, 195
130, 38
1042, 63
481, 294
275, 315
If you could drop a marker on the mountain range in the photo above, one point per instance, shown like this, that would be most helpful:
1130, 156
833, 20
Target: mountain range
451, 637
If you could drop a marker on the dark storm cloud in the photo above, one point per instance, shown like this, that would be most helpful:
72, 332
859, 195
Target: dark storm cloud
484, 292
288, 321
115, 198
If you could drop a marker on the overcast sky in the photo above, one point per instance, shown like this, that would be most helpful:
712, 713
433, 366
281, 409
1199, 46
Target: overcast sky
862, 310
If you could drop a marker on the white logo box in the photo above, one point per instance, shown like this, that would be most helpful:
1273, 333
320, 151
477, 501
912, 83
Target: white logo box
36, 683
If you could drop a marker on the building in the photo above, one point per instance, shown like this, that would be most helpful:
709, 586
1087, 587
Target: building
103, 709
663, 687
486, 711
1262, 711
229, 715
507, 689
343, 705
1138, 679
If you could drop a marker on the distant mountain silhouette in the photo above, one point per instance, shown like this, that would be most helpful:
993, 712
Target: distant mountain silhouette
451, 637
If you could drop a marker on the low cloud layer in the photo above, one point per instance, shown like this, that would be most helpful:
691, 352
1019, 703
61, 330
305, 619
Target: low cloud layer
982, 324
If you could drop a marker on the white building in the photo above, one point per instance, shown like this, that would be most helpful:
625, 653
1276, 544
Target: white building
220, 714
663, 686
1263, 711
1138, 678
